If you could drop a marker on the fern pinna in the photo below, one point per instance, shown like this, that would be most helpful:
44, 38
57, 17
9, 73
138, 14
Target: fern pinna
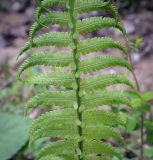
81, 128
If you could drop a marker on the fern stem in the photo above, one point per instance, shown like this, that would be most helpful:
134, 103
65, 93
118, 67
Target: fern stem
142, 115
72, 25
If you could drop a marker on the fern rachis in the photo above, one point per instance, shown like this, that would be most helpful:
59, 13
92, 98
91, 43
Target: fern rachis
78, 122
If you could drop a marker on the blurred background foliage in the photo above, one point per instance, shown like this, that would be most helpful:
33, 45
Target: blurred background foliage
136, 5
16, 17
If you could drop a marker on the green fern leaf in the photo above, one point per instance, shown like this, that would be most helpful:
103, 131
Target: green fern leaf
51, 3
97, 44
57, 148
51, 38
70, 132
102, 62
46, 58
102, 132
103, 81
49, 98
54, 118
99, 147
104, 117
104, 98
83, 6
92, 24
54, 78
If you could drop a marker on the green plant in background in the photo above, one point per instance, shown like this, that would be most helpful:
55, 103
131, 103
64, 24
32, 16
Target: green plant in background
139, 121
14, 127
136, 45
81, 128
13, 134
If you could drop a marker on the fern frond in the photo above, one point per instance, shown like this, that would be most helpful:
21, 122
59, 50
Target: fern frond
105, 98
102, 62
54, 78
93, 23
99, 147
103, 81
49, 98
77, 124
51, 38
97, 44
46, 58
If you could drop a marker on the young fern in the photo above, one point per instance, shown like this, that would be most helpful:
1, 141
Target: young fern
81, 127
